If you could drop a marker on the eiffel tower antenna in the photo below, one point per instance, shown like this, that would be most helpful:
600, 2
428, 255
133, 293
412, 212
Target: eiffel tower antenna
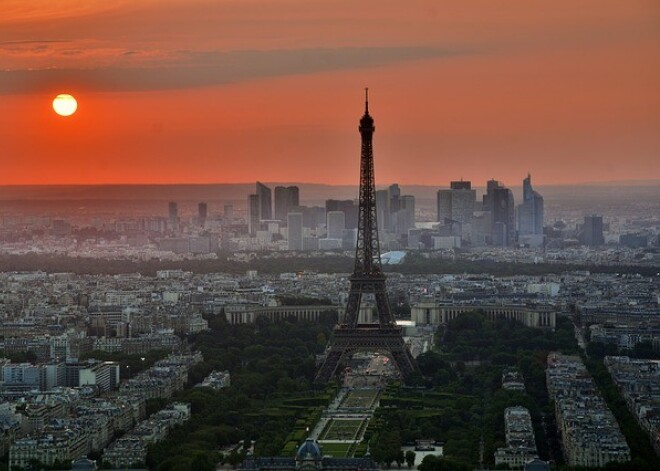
368, 278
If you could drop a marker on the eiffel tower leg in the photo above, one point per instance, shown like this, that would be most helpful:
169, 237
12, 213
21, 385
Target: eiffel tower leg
348, 340
353, 307
382, 304
405, 363
329, 367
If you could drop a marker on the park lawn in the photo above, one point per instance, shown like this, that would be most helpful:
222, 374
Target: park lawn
359, 399
337, 450
342, 429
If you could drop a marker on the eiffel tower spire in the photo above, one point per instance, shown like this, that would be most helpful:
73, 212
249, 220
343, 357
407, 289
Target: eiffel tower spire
367, 252
367, 279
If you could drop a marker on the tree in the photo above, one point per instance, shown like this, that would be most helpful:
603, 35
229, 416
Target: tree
202, 462
268, 364
434, 463
328, 318
234, 458
410, 458
389, 447
599, 349
399, 458
378, 454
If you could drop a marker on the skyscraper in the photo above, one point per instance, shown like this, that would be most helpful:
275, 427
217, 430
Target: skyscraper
395, 213
294, 223
394, 190
173, 215
498, 201
460, 185
504, 228
173, 210
530, 212
286, 198
463, 199
383, 209
313, 216
457, 205
443, 204
253, 214
394, 193
202, 213
265, 202
406, 214
592, 233
336, 224
348, 207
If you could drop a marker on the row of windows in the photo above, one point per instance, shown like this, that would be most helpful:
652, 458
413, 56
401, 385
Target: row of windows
249, 317
529, 318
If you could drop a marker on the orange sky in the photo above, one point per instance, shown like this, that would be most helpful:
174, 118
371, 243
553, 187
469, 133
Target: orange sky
204, 91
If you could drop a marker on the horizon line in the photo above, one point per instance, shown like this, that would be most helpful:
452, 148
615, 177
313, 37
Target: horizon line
649, 181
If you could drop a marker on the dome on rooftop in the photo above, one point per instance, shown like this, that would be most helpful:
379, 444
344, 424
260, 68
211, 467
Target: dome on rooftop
310, 450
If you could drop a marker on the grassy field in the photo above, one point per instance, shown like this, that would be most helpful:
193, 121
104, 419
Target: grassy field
359, 398
337, 450
341, 429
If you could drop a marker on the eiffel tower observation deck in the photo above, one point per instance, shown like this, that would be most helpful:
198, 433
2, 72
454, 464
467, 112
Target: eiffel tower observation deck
368, 279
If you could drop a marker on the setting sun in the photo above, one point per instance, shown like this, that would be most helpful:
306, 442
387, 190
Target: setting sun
65, 105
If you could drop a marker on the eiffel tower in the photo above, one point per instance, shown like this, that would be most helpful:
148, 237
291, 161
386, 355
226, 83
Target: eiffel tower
349, 336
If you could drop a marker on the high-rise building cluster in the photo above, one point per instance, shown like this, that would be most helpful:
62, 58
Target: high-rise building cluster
395, 212
462, 219
461, 216
287, 221
491, 221
332, 226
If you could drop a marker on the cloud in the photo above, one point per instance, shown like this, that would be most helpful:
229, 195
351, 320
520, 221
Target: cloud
33, 41
35, 55
26, 11
200, 69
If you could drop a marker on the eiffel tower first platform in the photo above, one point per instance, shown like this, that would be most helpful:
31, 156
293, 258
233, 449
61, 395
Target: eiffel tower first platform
349, 336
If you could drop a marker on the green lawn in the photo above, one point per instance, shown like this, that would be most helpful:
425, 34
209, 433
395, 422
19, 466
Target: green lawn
337, 450
341, 429
359, 398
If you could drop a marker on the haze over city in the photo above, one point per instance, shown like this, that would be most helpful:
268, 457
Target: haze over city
200, 91
307, 235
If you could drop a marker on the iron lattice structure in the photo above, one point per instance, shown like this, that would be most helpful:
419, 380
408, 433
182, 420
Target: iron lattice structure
350, 336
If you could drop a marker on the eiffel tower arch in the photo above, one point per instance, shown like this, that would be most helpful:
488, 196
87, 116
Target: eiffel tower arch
368, 278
